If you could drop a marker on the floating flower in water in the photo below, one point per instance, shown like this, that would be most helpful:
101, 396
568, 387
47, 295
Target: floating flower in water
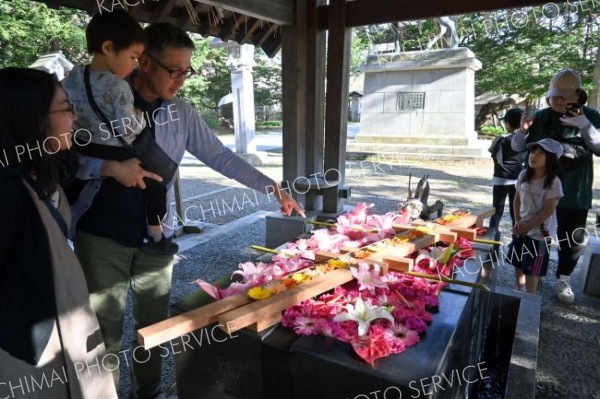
368, 278
363, 313
258, 293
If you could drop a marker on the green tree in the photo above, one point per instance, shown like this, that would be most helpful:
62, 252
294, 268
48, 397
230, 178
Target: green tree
212, 81
521, 49
29, 29
267, 79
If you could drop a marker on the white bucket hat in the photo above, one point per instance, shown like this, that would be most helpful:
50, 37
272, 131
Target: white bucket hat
564, 83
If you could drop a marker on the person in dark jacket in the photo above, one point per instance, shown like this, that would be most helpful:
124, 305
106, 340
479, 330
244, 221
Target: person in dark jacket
578, 130
508, 163
50, 341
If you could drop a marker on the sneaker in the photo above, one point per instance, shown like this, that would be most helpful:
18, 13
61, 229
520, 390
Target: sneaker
565, 293
165, 246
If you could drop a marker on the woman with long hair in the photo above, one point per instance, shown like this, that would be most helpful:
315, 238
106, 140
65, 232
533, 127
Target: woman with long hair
50, 342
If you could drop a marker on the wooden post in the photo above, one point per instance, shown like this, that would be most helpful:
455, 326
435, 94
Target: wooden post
336, 123
303, 74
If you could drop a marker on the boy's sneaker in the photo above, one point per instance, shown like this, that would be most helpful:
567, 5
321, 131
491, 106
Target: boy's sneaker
165, 246
565, 293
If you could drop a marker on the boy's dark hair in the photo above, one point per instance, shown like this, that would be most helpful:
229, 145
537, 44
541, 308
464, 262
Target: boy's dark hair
117, 26
161, 35
552, 168
513, 117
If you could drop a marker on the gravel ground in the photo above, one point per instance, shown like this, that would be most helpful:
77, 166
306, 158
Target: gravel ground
568, 346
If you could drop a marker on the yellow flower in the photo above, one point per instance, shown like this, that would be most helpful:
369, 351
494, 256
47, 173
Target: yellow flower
337, 263
300, 277
424, 229
258, 293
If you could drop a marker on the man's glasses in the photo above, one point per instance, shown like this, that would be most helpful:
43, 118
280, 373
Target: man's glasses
174, 73
70, 109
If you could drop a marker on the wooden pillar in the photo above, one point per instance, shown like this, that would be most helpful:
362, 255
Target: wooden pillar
303, 71
336, 112
315, 100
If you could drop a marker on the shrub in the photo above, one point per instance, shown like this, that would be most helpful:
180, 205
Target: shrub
493, 130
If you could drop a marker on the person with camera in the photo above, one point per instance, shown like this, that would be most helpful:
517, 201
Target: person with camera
574, 125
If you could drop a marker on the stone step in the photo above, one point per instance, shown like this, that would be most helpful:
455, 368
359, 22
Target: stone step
414, 140
400, 152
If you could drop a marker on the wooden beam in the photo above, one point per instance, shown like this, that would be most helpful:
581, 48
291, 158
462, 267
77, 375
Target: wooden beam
232, 26
279, 12
185, 323
266, 35
245, 35
266, 308
336, 117
370, 12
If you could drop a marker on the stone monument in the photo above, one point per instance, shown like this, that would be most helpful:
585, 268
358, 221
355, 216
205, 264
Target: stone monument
419, 101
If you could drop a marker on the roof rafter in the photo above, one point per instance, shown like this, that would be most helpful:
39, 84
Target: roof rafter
371, 12
276, 11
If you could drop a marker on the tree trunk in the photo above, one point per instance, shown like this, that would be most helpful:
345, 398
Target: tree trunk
594, 98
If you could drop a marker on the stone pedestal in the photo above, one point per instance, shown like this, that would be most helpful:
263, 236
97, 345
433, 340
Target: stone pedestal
414, 101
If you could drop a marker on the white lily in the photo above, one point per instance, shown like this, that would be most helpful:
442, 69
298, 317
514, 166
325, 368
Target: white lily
363, 313
435, 255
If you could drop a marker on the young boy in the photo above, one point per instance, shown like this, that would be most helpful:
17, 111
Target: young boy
116, 41
507, 166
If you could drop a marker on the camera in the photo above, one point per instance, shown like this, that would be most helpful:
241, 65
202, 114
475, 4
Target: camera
574, 107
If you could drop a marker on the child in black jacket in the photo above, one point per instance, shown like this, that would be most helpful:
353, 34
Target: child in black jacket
507, 166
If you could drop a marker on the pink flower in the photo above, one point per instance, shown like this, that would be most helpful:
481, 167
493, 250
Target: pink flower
371, 348
254, 273
400, 337
235, 288
415, 323
210, 289
306, 326
368, 278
